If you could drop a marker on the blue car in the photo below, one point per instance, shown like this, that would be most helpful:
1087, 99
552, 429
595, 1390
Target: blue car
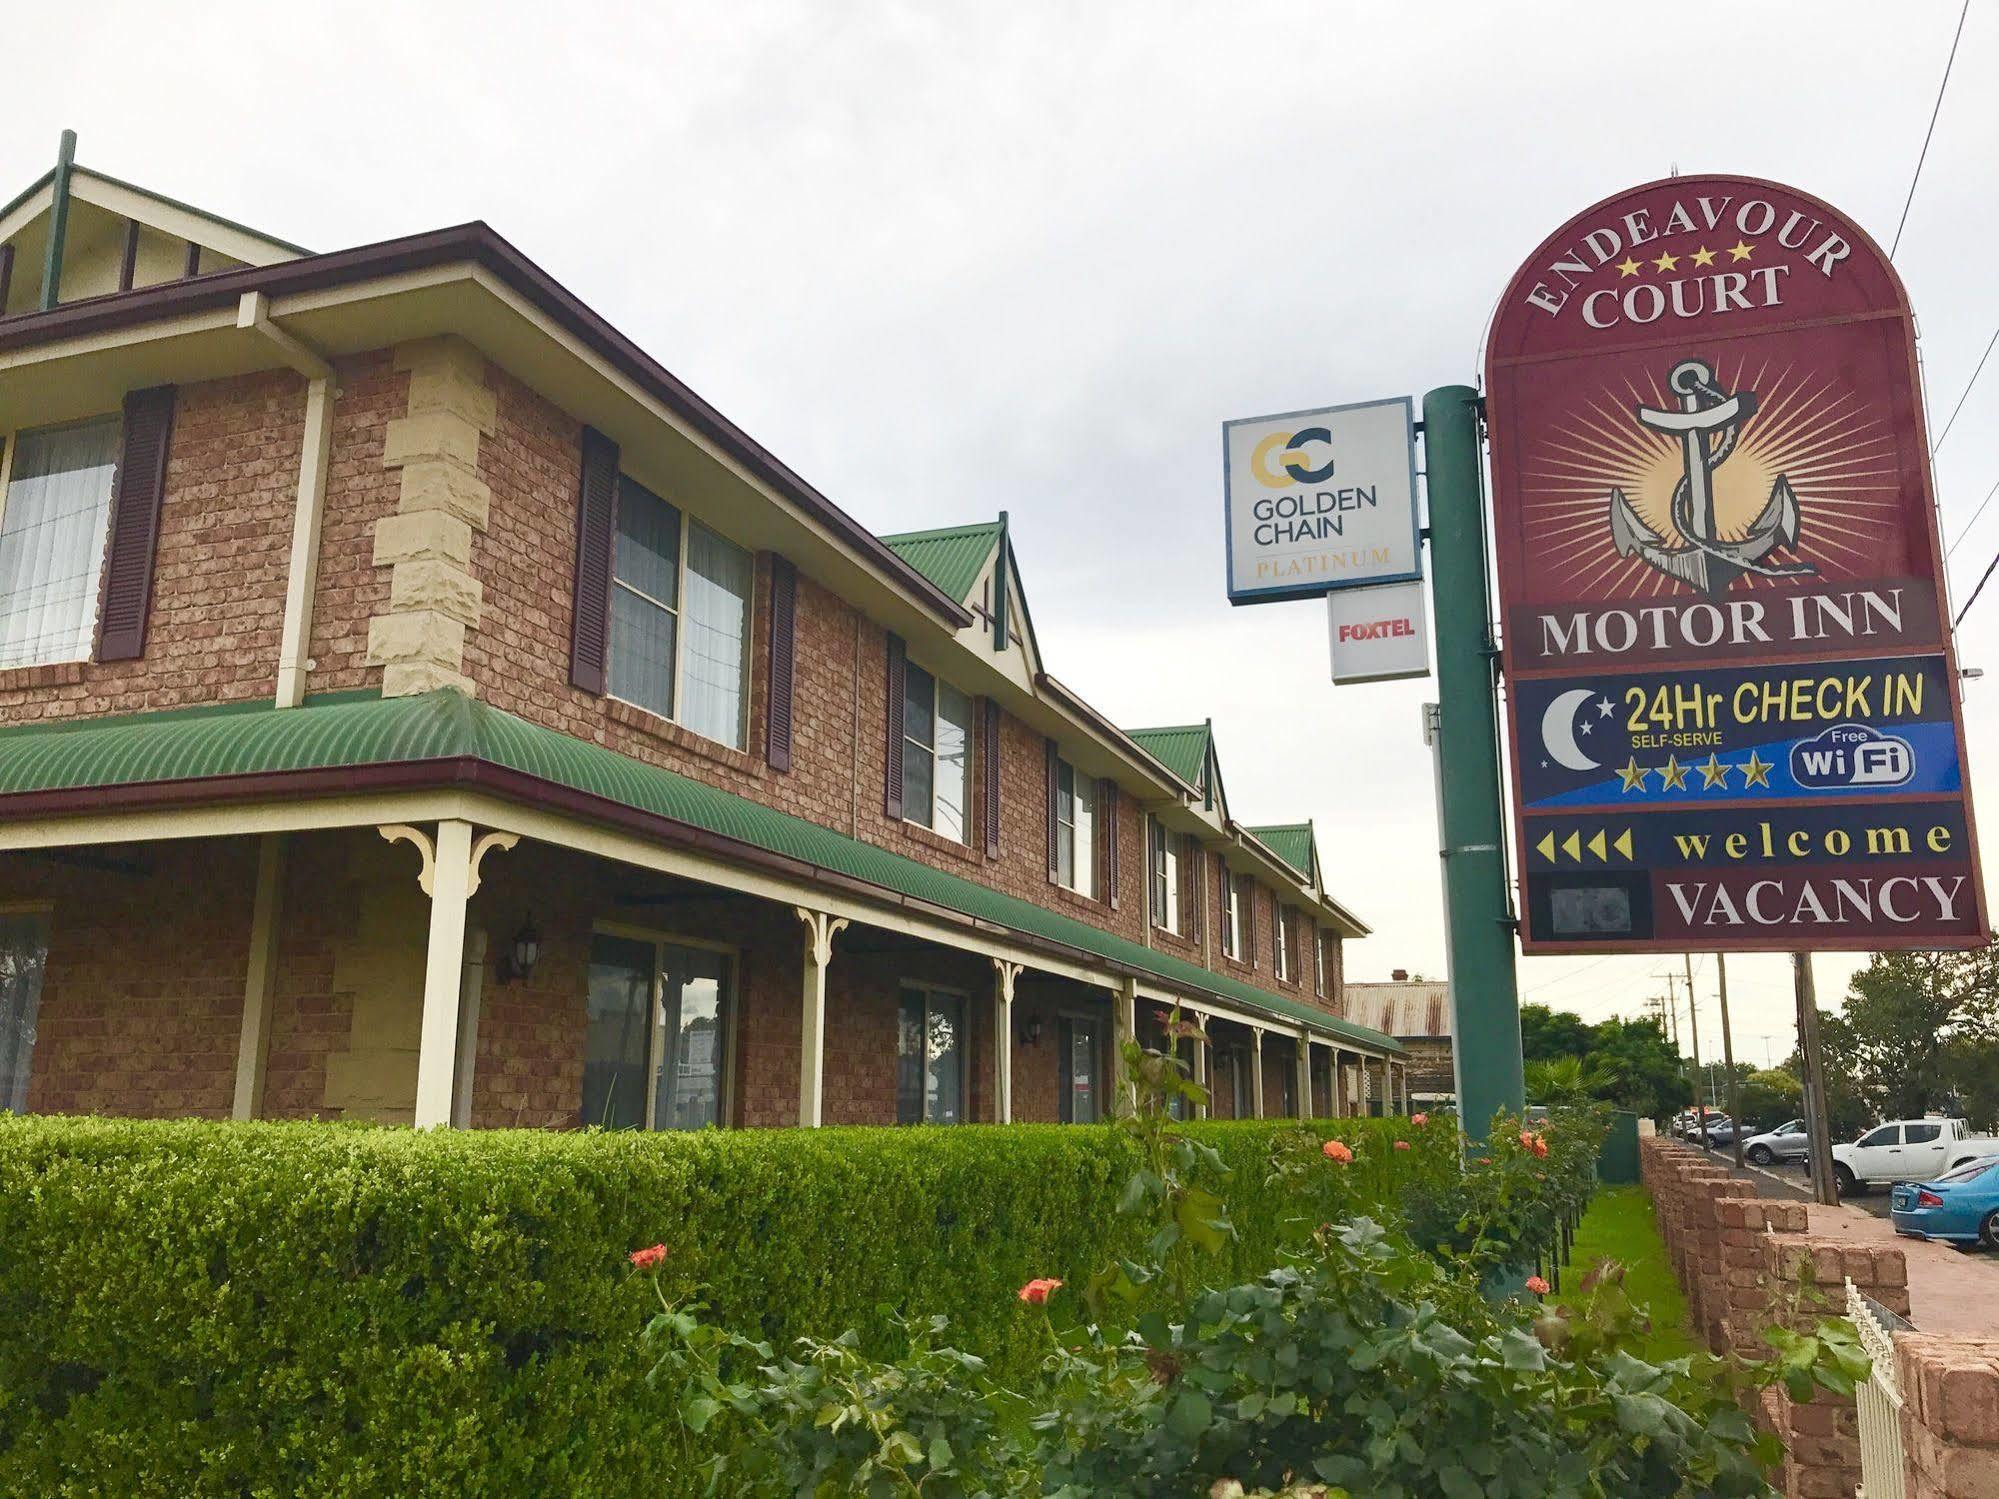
1960, 1207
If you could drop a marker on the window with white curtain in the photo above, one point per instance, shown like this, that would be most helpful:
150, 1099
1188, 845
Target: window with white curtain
55, 507
936, 760
24, 948
1165, 877
1075, 829
680, 618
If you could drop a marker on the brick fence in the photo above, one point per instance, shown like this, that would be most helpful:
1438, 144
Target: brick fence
1741, 1260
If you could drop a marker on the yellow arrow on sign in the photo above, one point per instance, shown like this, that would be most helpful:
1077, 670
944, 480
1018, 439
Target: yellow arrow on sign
1596, 846
1623, 843
1546, 847
1573, 846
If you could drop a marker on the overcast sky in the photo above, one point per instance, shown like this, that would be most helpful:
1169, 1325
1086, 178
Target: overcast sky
946, 259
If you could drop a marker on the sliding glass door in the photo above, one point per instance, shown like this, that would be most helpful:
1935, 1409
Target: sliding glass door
658, 1037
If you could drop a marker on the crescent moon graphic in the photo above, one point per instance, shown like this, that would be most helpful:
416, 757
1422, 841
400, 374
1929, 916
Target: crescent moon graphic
1558, 730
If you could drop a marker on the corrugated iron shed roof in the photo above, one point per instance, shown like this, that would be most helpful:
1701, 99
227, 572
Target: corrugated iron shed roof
355, 730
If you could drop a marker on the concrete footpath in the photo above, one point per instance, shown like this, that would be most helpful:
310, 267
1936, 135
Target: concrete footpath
1951, 1293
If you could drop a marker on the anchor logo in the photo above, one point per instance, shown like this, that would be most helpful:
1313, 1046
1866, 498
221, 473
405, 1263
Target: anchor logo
1708, 424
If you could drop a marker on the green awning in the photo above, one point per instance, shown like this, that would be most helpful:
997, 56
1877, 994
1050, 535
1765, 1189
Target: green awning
357, 731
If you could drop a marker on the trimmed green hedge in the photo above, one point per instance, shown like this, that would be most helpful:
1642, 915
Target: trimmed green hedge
279, 1309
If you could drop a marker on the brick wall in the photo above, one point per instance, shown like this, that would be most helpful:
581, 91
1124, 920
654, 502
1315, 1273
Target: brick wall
213, 636
142, 997
219, 574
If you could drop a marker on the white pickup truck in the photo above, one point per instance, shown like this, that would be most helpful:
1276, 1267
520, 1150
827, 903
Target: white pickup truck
1907, 1150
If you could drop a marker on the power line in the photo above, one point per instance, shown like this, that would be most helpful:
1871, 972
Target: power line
1967, 392
1974, 519
1982, 580
1934, 112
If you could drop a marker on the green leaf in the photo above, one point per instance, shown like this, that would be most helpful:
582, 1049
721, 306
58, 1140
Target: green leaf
941, 1455
1190, 1415
1521, 1350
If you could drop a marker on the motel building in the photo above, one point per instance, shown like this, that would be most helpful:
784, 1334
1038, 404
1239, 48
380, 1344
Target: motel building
416, 705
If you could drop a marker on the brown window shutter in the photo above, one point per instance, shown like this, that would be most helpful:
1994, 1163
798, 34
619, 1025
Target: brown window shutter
898, 684
783, 641
1107, 808
596, 530
1249, 922
991, 758
127, 596
1054, 865
1190, 887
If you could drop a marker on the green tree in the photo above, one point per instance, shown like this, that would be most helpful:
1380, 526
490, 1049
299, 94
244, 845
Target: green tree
1770, 1096
1629, 1063
1914, 1023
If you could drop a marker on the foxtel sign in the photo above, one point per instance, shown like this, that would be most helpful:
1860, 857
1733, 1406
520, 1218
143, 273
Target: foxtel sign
1733, 708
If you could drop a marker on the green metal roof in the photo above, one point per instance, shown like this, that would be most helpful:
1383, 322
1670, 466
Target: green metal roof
1291, 842
1182, 750
951, 558
353, 730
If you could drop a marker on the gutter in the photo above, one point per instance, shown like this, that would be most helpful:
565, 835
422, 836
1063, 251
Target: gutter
481, 245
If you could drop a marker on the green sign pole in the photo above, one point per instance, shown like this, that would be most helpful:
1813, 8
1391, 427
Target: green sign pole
1478, 915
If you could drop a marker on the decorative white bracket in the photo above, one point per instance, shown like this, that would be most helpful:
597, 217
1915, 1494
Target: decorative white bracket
426, 847
820, 930
1006, 973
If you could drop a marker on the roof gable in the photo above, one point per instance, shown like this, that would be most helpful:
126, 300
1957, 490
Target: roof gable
1294, 843
114, 236
953, 557
1188, 750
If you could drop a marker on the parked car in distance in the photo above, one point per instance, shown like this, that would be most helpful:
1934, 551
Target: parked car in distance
1960, 1207
1787, 1142
1713, 1129
1908, 1150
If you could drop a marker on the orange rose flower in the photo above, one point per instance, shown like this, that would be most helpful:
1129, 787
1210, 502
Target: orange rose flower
1335, 1150
649, 1258
1537, 1285
1035, 1292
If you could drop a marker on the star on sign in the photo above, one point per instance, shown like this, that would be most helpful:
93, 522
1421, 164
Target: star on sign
1755, 772
1585, 726
1667, 262
1714, 773
1604, 708
1703, 256
1740, 250
1633, 775
1627, 267
1672, 775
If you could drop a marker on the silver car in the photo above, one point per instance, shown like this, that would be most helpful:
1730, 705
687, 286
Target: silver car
1784, 1143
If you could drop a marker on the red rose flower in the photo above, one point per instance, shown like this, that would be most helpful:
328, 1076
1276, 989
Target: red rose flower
649, 1258
1401, 1144
1035, 1292
1537, 1285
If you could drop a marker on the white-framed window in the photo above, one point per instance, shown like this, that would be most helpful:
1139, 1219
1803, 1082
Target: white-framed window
1075, 829
660, 1012
55, 510
1232, 916
930, 1057
24, 950
680, 618
936, 753
1284, 927
1165, 876
1318, 962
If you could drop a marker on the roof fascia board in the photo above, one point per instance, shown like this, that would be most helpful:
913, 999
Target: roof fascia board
28, 207
182, 220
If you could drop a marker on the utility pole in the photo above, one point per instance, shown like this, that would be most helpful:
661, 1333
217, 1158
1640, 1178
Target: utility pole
1728, 1057
1694, 1029
1818, 1136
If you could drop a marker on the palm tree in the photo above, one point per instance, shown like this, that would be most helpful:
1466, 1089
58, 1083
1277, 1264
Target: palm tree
1563, 1081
